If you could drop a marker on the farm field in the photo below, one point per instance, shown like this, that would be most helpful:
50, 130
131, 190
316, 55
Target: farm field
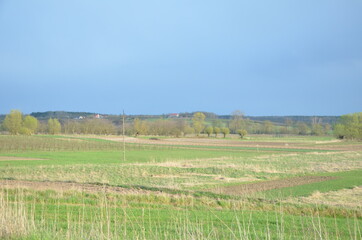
263, 187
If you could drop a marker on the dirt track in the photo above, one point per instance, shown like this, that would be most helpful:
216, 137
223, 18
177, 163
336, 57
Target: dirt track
65, 186
234, 143
244, 189
7, 158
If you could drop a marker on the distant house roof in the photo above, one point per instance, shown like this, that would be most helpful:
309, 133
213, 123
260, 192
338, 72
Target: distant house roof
173, 115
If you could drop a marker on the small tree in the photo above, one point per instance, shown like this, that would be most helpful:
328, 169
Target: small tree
288, 124
268, 127
30, 123
13, 122
176, 132
216, 131
140, 127
225, 131
339, 131
302, 128
198, 122
349, 126
25, 131
72, 127
209, 130
327, 128
237, 121
54, 126
188, 130
242, 132
317, 129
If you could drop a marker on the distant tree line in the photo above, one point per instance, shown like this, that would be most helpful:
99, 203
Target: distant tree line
176, 127
89, 126
60, 115
348, 127
63, 116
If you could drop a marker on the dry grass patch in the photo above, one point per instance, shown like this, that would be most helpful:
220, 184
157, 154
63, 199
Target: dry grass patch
343, 198
330, 141
242, 179
245, 189
65, 186
14, 219
71, 139
191, 163
305, 163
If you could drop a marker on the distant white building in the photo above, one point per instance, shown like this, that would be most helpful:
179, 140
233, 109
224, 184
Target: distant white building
173, 115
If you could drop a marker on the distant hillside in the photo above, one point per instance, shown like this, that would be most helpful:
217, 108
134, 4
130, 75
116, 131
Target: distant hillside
281, 119
61, 115
307, 119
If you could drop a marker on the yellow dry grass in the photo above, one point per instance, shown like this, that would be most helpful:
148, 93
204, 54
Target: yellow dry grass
351, 198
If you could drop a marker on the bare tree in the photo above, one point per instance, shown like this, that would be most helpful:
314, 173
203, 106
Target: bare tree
237, 121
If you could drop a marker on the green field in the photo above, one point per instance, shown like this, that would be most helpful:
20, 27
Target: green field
172, 191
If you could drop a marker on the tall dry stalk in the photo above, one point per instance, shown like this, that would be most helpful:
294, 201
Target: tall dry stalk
14, 220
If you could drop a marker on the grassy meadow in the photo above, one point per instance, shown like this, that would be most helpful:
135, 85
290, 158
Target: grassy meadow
264, 187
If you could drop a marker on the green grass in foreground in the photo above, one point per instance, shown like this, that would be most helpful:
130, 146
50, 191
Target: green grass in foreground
343, 180
75, 215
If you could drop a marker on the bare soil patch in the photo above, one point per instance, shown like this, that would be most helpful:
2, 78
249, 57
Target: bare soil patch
66, 186
244, 189
6, 158
71, 139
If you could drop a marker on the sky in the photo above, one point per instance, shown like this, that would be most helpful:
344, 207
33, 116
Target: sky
153, 57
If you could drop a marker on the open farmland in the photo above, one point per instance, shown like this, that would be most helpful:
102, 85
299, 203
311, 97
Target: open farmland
77, 187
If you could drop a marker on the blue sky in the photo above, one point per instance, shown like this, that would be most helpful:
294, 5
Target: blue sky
153, 57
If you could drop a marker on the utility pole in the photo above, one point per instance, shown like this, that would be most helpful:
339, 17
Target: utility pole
124, 141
